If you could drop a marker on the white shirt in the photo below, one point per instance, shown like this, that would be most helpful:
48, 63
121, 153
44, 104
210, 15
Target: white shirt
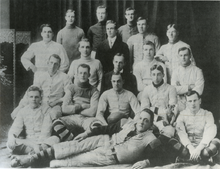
111, 41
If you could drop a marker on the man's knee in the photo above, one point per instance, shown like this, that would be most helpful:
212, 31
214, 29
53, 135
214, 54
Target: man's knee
212, 149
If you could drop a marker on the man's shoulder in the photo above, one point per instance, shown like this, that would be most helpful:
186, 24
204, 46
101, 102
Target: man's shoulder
134, 37
151, 34
121, 28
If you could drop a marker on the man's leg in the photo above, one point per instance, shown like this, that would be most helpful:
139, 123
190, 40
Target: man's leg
211, 150
98, 157
64, 149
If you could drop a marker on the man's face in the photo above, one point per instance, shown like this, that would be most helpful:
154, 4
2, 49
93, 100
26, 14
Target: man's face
84, 49
172, 34
118, 63
34, 99
83, 74
47, 34
110, 30
101, 14
70, 18
53, 65
148, 51
184, 57
143, 123
193, 103
142, 26
130, 15
117, 83
157, 76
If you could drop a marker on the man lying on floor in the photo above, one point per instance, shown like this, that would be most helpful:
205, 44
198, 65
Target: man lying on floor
127, 145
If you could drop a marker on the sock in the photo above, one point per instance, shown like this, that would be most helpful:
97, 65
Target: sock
61, 131
179, 149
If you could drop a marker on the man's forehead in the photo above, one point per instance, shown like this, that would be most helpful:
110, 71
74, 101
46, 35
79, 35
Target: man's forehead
84, 44
141, 21
130, 11
33, 93
145, 115
186, 51
192, 97
119, 58
101, 10
70, 14
147, 46
110, 25
116, 77
53, 59
47, 29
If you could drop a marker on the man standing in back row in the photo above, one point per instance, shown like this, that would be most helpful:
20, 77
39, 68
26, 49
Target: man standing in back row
97, 33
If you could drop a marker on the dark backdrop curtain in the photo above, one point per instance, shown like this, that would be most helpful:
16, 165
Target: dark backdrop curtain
199, 26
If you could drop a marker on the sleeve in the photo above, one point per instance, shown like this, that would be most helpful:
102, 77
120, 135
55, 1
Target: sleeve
160, 54
181, 130
59, 37
157, 43
27, 56
210, 129
172, 96
91, 111
71, 72
17, 125
67, 99
90, 36
174, 80
145, 99
199, 84
131, 52
66, 82
135, 106
137, 73
110, 129
64, 59
100, 75
102, 106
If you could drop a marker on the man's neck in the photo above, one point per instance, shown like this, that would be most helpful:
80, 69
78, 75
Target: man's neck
52, 73
148, 60
88, 57
70, 25
130, 23
186, 65
46, 42
195, 111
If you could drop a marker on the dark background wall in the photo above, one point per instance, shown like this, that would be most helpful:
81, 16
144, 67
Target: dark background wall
199, 23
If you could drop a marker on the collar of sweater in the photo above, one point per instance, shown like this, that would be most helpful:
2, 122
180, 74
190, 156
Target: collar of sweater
158, 85
83, 84
70, 26
102, 23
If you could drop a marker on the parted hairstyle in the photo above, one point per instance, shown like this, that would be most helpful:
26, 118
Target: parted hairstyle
101, 7
150, 113
173, 26
185, 48
130, 9
45, 25
157, 67
70, 11
35, 88
147, 42
56, 57
83, 65
142, 18
111, 22
192, 92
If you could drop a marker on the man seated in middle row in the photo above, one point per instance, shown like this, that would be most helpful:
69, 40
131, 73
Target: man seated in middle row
53, 83
186, 77
96, 72
115, 104
79, 104
142, 69
119, 63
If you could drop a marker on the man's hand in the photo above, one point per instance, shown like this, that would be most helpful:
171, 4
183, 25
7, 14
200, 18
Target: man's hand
81, 136
52, 104
11, 143
195, 156
33, 68
141, 164
191, 86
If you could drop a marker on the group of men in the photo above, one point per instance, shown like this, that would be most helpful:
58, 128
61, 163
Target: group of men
111, 100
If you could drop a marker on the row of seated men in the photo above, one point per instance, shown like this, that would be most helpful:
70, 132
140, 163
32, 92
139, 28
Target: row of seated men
61, 110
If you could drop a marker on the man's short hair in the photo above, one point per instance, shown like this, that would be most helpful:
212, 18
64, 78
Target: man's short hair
83, 65
70, 11
192, 92
147, 42
157, 67
35, 88
118, 73
83, 40
56, 57
142, 18
173, 26
119, 54
130, 9
45, 25
185, 48
101, 7
150, 113
111, 22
